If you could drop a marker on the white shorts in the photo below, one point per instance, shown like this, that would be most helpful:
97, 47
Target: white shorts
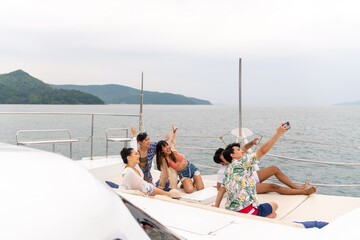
256, 177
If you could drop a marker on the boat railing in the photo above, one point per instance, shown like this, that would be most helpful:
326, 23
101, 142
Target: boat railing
282, 157
109, 138
92, 115
127, 139
69, 140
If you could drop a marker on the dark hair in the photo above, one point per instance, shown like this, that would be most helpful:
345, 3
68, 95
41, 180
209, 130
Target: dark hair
141, 136
217, 155
125, 152
160, 154
229, 150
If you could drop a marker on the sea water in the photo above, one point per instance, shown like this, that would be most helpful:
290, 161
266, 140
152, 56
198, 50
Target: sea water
202, 126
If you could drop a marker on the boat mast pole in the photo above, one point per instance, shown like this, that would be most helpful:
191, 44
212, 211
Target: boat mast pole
240, 122
141, 103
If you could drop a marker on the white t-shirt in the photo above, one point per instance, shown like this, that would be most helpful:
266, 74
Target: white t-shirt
221, 173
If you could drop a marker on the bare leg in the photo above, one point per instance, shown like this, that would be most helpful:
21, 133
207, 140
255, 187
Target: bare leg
274, 208
158, 191
271, 187
188, 185
198, 182
265, 173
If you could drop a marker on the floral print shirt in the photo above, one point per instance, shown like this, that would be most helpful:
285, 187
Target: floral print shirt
239, 183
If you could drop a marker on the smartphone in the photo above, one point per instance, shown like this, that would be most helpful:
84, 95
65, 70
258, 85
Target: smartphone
287, 125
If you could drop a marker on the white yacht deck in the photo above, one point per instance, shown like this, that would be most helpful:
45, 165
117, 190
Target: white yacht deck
292, 208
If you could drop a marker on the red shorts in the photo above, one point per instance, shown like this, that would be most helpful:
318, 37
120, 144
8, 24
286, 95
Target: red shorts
263, 210
249, 210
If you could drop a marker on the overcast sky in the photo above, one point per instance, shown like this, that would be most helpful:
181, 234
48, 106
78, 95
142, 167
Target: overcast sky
304, 52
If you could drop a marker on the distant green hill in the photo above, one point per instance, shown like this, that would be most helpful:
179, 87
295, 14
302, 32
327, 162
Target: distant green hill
117, 94
357, 103
19, 87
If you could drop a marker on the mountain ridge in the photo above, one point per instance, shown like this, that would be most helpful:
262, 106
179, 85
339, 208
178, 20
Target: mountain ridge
19, 87
355, 103
120, 94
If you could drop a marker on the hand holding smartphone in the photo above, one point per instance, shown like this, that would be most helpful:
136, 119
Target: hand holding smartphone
287, 126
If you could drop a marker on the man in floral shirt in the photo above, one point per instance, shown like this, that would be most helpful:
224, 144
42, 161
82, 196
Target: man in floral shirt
238, 181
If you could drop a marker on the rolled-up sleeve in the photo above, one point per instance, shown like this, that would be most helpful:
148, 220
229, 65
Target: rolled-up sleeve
133, 143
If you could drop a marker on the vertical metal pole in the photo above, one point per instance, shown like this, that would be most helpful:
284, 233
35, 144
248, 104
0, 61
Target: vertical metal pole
92, 137
240, 117
107, 148
141, 103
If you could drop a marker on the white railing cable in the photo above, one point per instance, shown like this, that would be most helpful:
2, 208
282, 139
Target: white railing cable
205, 166
299, 183
286, 139
320, 184
196, 148
180, 136
312, 142
312, 161
283, 157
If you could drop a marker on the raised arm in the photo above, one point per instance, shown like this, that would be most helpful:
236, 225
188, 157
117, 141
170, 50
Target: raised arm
269, 144
249, 145
166, 137
133, 142
172, 138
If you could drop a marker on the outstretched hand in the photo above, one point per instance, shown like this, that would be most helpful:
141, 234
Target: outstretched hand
256, 141
281, 130
173, 128
166, 137
133, 131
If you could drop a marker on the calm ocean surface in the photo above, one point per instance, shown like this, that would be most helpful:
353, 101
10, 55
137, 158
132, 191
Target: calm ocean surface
332, 125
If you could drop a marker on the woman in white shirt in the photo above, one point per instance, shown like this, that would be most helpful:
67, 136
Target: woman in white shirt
133, 176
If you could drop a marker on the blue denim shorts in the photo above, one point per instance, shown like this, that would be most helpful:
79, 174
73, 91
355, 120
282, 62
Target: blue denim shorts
188, 172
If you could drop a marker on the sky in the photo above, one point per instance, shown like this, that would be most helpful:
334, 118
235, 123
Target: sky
301, 53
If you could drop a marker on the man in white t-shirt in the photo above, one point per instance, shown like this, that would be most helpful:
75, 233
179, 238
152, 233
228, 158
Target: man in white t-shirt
260, 175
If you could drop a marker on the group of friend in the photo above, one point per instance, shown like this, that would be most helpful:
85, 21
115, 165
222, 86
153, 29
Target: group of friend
172, 164
236, 176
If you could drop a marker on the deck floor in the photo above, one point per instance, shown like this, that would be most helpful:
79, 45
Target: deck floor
315, 207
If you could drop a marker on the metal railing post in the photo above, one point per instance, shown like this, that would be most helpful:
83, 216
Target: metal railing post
240, 104
141, 104
92, 137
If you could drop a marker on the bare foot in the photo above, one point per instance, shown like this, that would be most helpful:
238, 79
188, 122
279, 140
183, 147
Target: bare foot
310, 190
303, 186
272, 215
